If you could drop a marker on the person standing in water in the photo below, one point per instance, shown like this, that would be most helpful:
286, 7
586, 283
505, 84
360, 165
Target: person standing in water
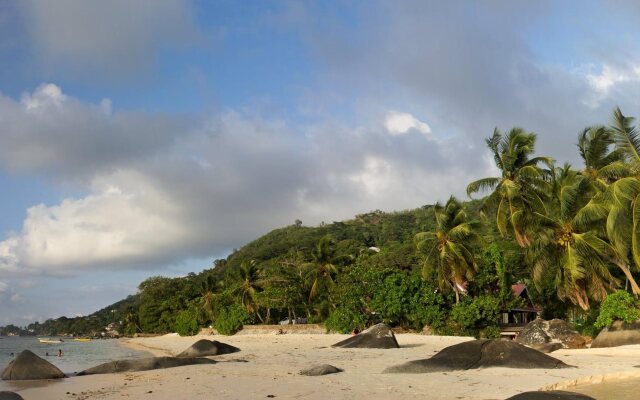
59, 352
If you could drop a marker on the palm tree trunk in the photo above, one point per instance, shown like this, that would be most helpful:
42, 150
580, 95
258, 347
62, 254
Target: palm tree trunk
455, 290
627, 273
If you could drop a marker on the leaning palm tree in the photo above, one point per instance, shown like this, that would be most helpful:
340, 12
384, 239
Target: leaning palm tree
572, 251
518, 194
447, 249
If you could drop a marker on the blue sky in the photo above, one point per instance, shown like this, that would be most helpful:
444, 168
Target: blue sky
151, 137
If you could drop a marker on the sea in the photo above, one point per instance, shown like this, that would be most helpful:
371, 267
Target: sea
76, 356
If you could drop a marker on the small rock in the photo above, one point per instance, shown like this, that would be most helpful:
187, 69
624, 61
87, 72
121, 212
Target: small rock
318, 370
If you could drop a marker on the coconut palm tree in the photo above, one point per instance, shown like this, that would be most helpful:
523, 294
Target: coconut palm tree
447, 249
207, 297
248, 285
323, 268
571, 249
602, 165
518, 194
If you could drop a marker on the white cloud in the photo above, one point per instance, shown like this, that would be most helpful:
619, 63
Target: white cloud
3, 286
50, 132
196, 192
124, 220
610, 76
398, 123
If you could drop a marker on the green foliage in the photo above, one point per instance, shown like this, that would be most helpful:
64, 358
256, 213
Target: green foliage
585, 323
368, 293
617, 306
345, 320
231, 319
187, 323
472, 315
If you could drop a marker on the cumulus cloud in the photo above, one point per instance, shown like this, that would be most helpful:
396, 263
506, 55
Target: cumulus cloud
216, 185
401, 123
49, 132
114, 38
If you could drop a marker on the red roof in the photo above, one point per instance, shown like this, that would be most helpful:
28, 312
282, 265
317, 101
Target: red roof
518, 288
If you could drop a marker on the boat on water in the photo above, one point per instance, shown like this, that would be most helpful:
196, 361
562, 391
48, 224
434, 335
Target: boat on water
81, 339
50, 341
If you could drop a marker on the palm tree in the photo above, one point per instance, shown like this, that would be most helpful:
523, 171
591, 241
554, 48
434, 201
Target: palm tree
447, 252
572, 251
323, 268
207, 297
519, 192
248, 281
601, 164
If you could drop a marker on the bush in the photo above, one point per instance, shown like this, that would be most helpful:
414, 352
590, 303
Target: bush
617, 306
231, 319
187, 323
473, 316
345, 320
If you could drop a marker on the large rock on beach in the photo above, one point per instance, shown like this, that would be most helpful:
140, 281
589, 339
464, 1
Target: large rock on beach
204, 347
480, 354
143, 364
618, 334
551, 395
10, 396
377, 337
539, 333
318, 370
27, 366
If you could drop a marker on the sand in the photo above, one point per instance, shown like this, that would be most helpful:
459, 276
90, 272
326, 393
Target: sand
268, 367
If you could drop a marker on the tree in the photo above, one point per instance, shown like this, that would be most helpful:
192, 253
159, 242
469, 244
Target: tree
518, 194
447, 250
248, 285
572, 252
323, 268
602, 165
207, 298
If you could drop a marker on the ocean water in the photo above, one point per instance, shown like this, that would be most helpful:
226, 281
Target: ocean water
76, 357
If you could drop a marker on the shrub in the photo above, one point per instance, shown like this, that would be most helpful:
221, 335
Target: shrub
475, 315
230, 319
345, 320
187, 323
617, 306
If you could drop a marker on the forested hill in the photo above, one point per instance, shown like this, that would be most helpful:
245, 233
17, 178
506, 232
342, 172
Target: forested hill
386, 238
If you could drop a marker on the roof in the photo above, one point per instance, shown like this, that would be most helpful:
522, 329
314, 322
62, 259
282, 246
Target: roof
518, 288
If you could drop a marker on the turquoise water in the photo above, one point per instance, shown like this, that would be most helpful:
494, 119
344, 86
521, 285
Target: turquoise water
76, 357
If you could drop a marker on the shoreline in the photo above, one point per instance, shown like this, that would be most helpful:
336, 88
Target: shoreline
269, 364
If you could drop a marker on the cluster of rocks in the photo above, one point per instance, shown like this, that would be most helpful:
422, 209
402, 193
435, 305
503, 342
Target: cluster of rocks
28, 366
548, 336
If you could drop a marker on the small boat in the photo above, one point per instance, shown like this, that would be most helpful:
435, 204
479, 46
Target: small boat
50, 341
82, 339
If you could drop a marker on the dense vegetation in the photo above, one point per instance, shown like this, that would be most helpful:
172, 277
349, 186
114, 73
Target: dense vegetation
571, 234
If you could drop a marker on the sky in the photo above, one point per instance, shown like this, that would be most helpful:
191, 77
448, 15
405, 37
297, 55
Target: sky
151, 137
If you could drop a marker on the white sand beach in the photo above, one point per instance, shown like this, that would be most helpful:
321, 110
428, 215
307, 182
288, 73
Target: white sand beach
268, 366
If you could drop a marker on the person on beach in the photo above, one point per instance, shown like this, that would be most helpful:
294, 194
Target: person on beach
355, 331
